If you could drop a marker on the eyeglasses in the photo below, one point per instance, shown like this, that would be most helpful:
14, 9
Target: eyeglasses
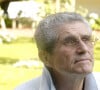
75, 41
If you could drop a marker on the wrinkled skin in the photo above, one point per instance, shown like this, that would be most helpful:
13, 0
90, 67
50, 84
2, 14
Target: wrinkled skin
72, 59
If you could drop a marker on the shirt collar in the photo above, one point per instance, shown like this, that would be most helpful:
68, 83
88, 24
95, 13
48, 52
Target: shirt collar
90, 82
46, 82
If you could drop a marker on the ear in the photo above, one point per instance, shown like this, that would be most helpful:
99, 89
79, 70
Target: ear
43, 55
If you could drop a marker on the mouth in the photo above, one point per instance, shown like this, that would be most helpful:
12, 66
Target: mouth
83, 61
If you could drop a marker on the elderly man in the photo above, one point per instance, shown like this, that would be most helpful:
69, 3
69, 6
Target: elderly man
65, 46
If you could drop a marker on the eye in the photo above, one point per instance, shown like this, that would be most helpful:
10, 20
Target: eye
87, 39
70, 41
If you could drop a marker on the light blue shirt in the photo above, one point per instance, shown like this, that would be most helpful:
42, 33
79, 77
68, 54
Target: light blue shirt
44, 82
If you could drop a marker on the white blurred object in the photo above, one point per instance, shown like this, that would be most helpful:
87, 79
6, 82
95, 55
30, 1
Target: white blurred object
94, 15
28, 63
7, 36
24, 8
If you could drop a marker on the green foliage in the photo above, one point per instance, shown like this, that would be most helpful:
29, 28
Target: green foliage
49, 7
8, 22
94, 20
53, 6
96, 25
25, 22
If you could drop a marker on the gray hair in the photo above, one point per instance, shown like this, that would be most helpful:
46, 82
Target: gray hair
46, 33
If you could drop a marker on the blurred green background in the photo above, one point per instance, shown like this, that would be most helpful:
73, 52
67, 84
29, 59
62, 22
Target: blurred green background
19, 60
15, 65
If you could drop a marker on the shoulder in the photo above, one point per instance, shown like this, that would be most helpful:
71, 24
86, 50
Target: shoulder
97, 78
30, 85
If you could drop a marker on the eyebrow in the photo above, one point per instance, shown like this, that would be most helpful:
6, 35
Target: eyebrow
69, 37
74, 37
87, 36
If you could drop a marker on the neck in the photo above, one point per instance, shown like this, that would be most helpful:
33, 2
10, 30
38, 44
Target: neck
68, 81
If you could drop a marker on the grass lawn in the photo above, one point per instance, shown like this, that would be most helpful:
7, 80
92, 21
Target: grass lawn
18, 51
10, 77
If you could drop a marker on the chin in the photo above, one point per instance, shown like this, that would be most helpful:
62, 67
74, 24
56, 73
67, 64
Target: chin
85, 70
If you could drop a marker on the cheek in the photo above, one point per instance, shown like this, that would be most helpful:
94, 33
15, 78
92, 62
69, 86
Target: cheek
64, 56
66, 52
91, 49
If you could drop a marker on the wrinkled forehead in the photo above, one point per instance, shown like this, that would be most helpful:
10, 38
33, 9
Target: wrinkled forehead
76, 29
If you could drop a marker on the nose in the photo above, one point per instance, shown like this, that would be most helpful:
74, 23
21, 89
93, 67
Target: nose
82, 48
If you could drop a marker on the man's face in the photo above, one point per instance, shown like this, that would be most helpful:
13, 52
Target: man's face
73, 52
